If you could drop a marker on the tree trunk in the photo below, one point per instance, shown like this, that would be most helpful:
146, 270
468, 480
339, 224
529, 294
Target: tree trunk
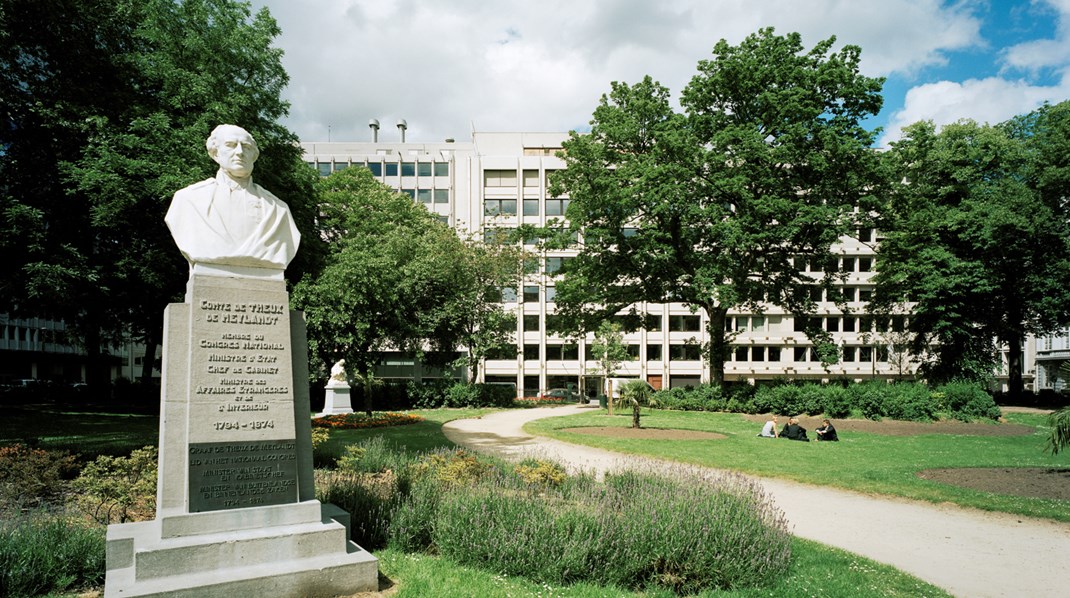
635, 414
609, 394
718, 343
149, 362
1015, 384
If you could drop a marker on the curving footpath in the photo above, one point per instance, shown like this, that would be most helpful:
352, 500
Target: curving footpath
967, 552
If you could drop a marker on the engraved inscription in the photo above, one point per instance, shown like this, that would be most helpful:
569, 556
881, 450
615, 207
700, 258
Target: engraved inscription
241, 474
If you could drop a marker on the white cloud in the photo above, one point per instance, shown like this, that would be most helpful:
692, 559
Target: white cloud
996, 99
521, 65
992, 100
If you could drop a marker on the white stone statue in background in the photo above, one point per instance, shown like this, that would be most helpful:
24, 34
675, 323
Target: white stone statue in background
338, 373
229, 220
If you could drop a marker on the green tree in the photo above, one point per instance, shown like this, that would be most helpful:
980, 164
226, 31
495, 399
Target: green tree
389, 282
132, 88
608, 352
482, 272
714, 207
971, 242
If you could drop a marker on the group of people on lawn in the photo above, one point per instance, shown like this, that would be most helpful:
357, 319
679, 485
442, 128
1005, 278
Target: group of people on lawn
793, 431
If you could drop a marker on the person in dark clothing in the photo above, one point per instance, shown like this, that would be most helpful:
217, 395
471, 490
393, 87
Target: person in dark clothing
827, 432
794, 431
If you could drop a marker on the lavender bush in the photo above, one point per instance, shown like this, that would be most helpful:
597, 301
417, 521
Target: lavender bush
683, 532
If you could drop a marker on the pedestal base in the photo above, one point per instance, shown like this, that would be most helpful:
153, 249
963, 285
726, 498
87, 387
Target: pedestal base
298, 549
336, 400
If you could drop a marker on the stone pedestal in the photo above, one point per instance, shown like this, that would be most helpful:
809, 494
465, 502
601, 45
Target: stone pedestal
336, 399
236, 507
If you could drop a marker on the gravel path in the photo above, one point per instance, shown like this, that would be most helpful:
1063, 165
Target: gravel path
967, 552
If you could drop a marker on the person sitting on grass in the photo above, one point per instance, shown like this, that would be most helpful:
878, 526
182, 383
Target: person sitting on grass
827, 431
792, 430
769, 429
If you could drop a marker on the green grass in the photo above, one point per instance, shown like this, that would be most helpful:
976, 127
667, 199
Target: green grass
91, 434
863, 462
816, 570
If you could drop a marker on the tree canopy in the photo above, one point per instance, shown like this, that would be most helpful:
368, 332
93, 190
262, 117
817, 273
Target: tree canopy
397, 279
977, 240
106, 106
712, 207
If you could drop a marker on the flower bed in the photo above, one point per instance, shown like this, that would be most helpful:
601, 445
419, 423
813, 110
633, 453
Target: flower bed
357, 421
543, 401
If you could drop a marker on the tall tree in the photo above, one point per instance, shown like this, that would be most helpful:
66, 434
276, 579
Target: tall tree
474, 311
396, 279
713, 206
971, 241
132, 88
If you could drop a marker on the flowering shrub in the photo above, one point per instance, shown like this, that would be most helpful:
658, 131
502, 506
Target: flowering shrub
357, 421
539, 472
320, 436
527, 401
119, 489
30, 477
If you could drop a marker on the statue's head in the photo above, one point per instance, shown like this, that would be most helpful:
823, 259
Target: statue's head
234, 149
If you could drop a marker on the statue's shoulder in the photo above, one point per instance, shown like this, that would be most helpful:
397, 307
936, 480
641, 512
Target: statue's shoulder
264, 193
195, 187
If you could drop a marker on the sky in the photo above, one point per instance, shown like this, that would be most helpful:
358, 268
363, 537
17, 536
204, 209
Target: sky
451, 67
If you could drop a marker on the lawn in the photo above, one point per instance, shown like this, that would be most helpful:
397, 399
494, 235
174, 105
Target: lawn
88, 433
863, 462
816, 569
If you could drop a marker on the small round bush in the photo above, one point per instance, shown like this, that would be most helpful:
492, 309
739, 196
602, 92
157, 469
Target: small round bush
967, 401
836, 402
868, 397
910, 402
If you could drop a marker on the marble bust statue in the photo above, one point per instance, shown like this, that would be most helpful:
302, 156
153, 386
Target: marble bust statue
229, 220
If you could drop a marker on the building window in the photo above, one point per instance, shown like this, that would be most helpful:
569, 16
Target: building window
499, 207
652, 322
324, 168
865, 235
554, 264
865, 295
551, 294
408, 169
423, 169
848, 294
865, 264
633, 352
848, 324
442, 196
531, 294
740, 354
442, 169
531, 207
865, 354
423, 195
339, 166
684, 353
556, 207
850, 354
508, 295
376, 168
499, 178
848, 264
390, 168
832, 324
774, 353
684, 323
531, 352
562, 352
410, 192
531, 178
653, 352
531, 322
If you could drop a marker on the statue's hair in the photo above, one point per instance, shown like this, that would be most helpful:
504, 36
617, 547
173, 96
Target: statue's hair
213, 139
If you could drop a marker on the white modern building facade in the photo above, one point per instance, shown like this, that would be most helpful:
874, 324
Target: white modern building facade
500, 180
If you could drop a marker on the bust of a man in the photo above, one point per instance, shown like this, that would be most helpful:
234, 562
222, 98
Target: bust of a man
229, 220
